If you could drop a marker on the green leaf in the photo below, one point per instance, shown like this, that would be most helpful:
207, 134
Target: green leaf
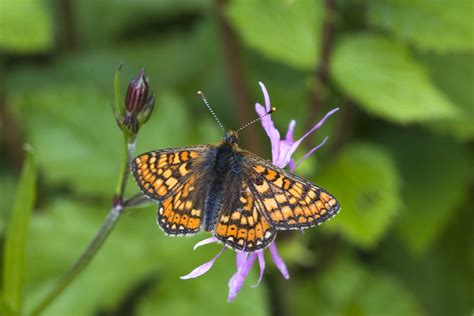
25, 26
14, 247
8, 184
366, 184
101, 23
287, 31
454, 75
428, 24
349, 288
435, 183
64, 128
386, 81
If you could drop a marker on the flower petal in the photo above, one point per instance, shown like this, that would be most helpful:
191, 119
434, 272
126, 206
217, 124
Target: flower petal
278, 260
311, 152
267, 122
319, 124
202, 268
243, 269
205, 242
290, 132
287, 151
261, 263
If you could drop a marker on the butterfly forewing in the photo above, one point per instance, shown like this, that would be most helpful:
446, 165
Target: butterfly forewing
288, 201
168, 176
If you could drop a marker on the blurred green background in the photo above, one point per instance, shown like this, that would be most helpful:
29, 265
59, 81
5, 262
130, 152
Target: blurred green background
399, 157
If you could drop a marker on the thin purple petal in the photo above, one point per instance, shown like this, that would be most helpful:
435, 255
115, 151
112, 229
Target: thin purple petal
261, 263
319, 124
266, 96
292, 166
205, 242
311, 152
290, 132
278, 260
237, 280
202, 268
286, 152
267, 122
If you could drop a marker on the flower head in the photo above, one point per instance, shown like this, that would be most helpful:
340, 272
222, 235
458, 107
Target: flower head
138, 104
282, 151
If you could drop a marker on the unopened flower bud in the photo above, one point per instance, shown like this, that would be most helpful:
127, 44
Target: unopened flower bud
137, 93
131, 123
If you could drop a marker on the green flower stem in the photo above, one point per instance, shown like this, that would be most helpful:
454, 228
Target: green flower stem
83, 260
119, 205
129, 149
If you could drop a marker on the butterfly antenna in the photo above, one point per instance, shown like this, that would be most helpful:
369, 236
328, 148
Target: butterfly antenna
257, 119
211, 110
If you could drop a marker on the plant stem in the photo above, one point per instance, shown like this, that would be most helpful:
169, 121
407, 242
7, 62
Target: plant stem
119, 205
83, 260
321, 73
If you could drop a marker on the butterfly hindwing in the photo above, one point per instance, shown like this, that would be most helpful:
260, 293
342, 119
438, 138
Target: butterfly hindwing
168, 176
244, 227
289, 202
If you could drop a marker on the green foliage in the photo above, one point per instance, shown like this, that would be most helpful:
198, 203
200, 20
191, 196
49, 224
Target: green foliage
366, 183
287, 31
137, 242
432, 190
406, 212
429, 25
51, 130
15, 238
454, 75
386, 81
348, 288
25, 26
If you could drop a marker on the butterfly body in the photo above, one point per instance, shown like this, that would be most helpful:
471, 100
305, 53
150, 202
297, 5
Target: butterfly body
240, 197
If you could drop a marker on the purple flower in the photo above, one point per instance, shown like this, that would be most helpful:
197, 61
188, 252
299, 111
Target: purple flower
282, 151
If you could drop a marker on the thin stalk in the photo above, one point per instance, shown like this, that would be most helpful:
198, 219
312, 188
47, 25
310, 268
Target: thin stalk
112, 218
83, 260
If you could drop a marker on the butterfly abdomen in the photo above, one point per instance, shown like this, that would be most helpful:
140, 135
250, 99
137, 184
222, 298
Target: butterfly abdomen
225, 169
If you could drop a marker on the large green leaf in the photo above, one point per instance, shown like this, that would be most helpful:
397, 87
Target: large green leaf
63, 124
101, 23
287, 31
436, 176
15, 238
348, 288
25, 26
454, 75
366, 184
386, 81
428, 24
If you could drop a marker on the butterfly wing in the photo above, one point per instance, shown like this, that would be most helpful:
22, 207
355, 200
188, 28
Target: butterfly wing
288, 201
169, 176
241, 224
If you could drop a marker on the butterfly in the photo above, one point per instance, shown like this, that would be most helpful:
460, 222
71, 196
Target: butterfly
239, 197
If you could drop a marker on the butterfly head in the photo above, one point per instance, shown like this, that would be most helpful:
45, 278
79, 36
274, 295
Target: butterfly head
231, 137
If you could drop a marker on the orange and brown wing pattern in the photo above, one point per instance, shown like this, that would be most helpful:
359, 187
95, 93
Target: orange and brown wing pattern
177, 214
290, 202
167, 176
244, 227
